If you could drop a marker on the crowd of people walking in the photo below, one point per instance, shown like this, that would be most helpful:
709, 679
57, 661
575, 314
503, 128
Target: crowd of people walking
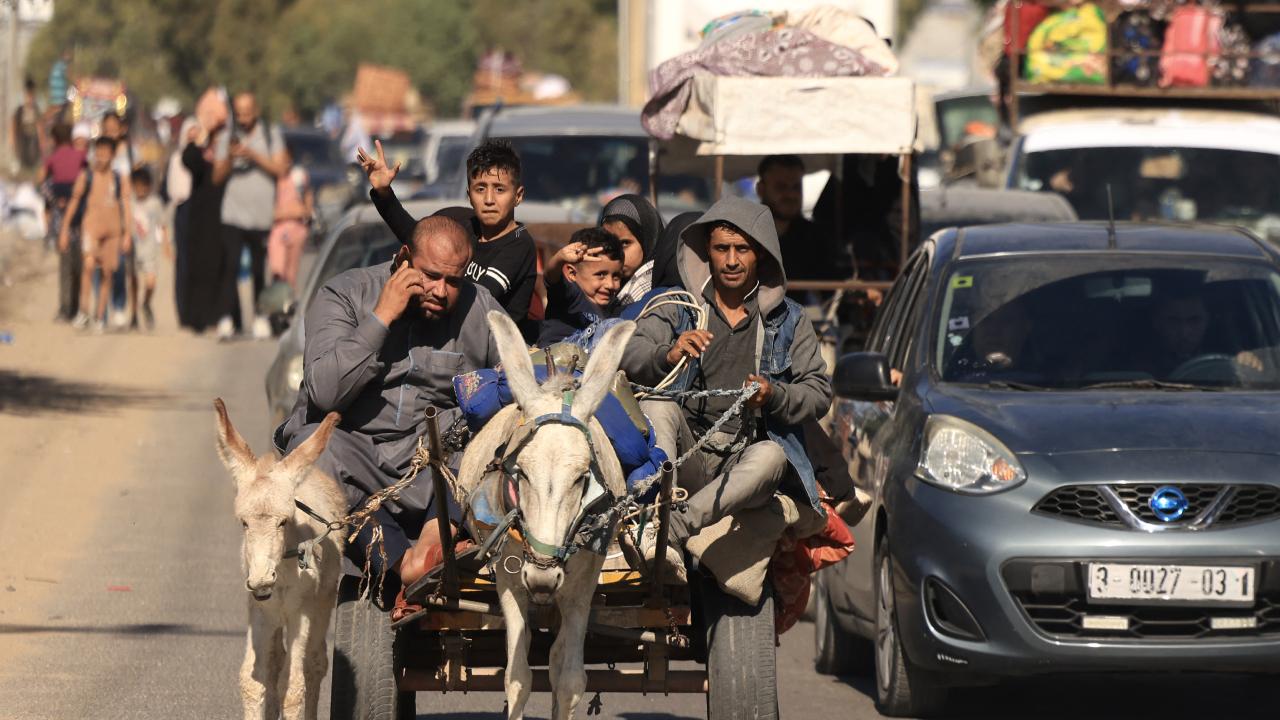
228, 188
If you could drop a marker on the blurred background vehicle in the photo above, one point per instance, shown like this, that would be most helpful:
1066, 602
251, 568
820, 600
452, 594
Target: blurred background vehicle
1161, 163
444, 153
961, 207
406, 147
333, 180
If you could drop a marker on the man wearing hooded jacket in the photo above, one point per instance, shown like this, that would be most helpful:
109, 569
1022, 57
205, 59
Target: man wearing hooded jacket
731, 261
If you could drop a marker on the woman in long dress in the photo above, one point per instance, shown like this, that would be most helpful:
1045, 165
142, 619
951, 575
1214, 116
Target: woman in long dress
204, 223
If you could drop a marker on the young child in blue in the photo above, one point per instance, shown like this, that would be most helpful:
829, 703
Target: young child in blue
582, 281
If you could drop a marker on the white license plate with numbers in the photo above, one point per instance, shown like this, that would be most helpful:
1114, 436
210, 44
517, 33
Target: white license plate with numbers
1171, 583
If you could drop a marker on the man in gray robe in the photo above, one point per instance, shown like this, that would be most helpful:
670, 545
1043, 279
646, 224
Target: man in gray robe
384, 343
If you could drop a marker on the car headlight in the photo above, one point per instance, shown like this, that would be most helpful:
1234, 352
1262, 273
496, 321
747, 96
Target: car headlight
293, 373
962, 457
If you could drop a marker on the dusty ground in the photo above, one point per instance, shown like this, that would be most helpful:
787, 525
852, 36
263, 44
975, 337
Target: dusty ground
118, 581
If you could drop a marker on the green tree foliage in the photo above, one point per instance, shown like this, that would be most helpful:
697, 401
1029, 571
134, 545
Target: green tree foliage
314, 56
305, 52
574, 38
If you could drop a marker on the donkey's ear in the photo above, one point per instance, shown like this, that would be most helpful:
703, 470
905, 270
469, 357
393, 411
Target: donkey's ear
305, 455
597, 379
232, 448
515, 358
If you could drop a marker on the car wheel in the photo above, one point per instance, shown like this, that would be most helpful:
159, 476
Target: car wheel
902, 689
837, 652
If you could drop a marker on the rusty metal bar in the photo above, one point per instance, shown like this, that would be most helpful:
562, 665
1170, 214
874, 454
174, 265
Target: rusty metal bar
654, 172
628, 681
664, 521
904, 243
826, 285
645, 636
449, 583
651, 637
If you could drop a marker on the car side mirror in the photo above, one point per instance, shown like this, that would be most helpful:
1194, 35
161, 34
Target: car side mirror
864, 376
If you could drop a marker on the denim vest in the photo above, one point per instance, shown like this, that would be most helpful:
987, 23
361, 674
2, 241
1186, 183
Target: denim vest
774, 362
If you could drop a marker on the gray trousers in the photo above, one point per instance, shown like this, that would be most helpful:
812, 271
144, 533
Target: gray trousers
719, 483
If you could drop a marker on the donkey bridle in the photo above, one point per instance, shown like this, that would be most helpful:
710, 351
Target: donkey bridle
540, 554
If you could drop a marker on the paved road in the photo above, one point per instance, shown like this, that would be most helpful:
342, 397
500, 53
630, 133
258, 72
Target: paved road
120, 588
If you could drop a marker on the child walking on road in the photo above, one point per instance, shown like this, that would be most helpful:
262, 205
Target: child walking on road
101, 208
149, 235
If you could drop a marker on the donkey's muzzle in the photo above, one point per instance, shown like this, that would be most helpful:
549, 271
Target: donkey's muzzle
542, 583
261, 588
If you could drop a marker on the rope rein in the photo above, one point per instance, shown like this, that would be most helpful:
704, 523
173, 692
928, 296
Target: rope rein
625, 507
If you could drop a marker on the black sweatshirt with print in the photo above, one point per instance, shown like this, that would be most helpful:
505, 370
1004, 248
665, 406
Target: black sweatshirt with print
506, 265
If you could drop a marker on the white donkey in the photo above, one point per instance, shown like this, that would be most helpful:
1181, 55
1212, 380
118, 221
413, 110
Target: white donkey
559, 459
285, 656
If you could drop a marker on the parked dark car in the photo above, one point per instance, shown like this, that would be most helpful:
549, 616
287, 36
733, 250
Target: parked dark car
1075, 469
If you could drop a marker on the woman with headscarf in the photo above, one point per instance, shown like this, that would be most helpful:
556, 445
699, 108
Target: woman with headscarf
205, 265
666, 274
637, 224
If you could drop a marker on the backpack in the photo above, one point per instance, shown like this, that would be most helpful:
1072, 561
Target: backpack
84, 199
1265, 70
1189, 41
1135, 35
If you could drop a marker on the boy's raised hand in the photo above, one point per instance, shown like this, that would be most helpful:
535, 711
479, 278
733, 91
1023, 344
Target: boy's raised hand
375, 167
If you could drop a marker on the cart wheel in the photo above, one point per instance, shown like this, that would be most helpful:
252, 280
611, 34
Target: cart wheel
364, 678
837, 652
741, 674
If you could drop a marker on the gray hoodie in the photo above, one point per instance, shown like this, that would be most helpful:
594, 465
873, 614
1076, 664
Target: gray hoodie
804, 393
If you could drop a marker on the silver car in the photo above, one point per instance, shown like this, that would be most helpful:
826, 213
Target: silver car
1069, 432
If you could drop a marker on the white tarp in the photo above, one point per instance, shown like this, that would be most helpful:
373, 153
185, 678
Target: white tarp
786, 115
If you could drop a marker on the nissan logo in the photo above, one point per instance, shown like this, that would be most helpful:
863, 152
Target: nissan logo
1168, 503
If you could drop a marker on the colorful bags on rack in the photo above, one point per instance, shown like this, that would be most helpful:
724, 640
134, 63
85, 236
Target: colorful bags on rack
1069, 47
1189, 41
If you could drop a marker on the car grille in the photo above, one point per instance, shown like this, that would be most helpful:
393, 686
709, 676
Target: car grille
1052, 595
1079, 502
1090, 504
1063, 616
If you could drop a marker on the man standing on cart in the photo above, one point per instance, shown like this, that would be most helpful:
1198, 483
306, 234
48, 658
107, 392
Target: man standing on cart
382, 345
730, 260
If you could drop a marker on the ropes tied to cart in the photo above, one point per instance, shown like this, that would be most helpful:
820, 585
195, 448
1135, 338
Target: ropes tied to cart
358, 520
622, 508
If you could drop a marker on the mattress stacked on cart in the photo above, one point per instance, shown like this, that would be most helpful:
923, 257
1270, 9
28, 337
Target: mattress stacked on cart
822, 42
1142, 43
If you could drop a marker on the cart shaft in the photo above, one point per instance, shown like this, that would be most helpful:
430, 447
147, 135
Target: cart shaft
628, 680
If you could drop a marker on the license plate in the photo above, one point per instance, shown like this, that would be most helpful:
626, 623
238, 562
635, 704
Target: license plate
1171, 583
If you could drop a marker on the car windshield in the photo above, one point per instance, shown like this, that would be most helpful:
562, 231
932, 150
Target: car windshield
1091, 321
358, 246
1180, 184
451, 154
585, 171
312, 150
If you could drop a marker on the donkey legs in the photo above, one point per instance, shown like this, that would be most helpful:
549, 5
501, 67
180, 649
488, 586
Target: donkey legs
260, 671
307, 662
514, 600
565, 670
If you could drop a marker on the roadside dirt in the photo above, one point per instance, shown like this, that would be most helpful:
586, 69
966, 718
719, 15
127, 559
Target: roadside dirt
109, 476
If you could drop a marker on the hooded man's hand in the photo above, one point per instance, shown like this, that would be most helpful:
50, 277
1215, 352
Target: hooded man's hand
691, 343
762, 395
